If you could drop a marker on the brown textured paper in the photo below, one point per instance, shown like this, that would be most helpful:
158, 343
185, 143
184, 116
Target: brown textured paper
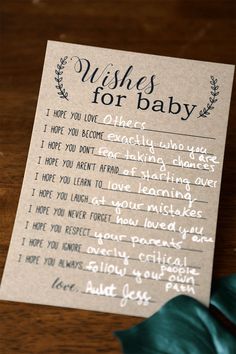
119, 202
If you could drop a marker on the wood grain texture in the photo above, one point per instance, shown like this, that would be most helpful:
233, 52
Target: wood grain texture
194, 29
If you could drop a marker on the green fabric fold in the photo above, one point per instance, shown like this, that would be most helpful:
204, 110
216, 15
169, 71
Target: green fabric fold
224, 297
184, 326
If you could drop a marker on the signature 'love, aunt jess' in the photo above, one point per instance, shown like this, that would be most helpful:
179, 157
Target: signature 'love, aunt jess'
141, 297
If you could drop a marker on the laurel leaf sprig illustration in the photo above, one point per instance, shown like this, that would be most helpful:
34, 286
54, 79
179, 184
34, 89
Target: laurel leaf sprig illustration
212, 99
59, 78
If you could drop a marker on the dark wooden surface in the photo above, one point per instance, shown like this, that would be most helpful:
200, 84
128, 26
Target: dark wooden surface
203, 30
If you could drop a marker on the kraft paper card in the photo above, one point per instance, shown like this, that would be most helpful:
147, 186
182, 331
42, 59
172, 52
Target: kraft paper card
119, 203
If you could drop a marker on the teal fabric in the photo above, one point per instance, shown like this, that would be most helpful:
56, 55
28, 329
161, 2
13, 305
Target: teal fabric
224, 297
184, 326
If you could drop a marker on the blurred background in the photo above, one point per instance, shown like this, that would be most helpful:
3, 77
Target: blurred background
193, 29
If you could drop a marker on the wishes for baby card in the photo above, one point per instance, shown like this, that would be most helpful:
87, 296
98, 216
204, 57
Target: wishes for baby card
118, 207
